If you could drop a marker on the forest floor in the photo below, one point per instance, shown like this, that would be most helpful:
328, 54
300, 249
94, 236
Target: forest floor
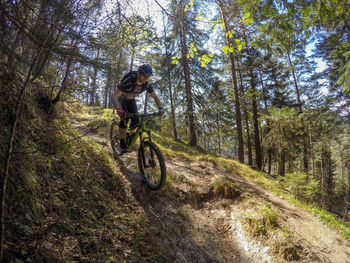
192, 224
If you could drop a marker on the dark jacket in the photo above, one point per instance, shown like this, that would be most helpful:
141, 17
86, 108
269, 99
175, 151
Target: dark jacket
129, 87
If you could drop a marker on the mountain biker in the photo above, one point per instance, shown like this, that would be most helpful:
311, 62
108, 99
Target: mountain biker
131, 85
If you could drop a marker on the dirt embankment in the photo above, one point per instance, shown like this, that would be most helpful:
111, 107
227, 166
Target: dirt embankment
193, 225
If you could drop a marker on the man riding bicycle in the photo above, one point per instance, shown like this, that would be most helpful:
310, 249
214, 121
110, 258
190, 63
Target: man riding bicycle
131, 85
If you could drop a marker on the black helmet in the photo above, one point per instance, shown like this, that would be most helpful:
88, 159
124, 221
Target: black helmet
146, 69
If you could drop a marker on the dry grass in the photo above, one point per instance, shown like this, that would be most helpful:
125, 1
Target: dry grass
226, 187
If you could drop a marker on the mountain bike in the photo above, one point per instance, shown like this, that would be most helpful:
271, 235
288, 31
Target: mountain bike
150, 159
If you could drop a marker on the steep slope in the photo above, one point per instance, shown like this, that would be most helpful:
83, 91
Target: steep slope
66, 200
209, 213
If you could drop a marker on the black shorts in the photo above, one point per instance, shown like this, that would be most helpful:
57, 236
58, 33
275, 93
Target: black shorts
129, 106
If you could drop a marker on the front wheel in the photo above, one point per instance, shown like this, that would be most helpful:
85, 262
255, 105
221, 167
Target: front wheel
151, 165
114, 138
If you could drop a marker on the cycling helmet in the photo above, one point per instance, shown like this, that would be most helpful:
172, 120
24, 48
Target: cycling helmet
145, 69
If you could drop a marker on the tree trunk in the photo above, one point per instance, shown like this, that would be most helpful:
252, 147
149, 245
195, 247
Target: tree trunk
246, 117
235, 87
312, 153
282, 164
218, 134
330, 179
63, 83
172, 105
205, 143
300, 109
172, 116
258, 157
186, 68
322, 182
94, 86
347, 196
107, 88
132, 58
256, 131
297, 91
269, 153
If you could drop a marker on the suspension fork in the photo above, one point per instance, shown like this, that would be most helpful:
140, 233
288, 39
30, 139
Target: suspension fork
143, 149
150, 139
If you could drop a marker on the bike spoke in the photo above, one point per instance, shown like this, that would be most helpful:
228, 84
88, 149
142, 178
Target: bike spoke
151, 168
151, 164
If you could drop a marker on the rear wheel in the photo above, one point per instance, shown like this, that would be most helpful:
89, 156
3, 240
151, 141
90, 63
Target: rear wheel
114, 138
151, 165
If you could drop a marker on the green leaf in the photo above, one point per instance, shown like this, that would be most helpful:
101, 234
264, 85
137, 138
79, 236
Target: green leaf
225, 49
248, 21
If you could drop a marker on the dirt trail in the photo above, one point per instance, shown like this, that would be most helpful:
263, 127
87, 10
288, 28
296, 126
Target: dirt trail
193, 226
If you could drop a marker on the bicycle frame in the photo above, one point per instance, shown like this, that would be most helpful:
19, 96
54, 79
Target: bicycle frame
141, 128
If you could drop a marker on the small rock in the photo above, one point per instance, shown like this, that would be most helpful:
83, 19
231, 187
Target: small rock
47, 245
28, 217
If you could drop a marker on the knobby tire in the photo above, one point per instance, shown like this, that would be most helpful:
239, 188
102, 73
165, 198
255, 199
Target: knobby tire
114, 138
150, 153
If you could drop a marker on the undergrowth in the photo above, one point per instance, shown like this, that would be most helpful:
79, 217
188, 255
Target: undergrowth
65, 200
226, 187
263, 222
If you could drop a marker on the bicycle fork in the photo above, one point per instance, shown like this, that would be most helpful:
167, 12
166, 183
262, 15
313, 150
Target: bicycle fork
151, 160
